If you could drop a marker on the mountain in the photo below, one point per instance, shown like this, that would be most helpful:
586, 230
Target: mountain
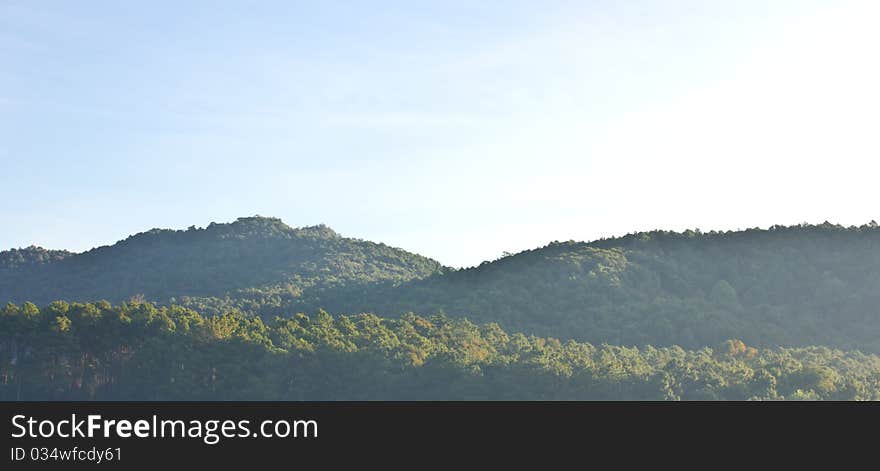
219, 261
800, 285
783, 286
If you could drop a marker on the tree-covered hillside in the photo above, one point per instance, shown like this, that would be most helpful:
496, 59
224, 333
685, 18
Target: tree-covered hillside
251, 255
786, 286
143, 352
801, 285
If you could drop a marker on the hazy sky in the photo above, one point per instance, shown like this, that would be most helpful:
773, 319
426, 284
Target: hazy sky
454, 129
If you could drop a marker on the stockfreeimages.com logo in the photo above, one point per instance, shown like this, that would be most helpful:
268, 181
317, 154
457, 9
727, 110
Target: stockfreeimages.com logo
209, 431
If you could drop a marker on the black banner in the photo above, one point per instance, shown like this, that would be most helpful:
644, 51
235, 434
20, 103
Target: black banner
60, 435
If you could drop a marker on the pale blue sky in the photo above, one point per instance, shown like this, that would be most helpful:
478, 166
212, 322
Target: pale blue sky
458, 130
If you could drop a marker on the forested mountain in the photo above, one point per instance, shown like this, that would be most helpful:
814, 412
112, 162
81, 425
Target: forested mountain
254, 253
138, 351
801, 285
785, 286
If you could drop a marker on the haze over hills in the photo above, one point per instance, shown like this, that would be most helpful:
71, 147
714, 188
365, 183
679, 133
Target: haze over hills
800, 285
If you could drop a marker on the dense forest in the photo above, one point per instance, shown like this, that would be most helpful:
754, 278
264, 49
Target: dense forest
140, 351
217, 313
802, 285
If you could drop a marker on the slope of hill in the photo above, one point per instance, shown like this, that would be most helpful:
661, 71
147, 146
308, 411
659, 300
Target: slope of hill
790, 286
800, 285
217, 261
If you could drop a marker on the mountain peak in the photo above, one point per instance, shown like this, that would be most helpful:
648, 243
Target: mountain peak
253, 225
269, 227
251, 253
31, 255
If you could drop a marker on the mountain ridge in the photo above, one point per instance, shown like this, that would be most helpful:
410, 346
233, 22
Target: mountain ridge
211, 261
785, 285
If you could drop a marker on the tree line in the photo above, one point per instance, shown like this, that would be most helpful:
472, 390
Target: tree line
139, 351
